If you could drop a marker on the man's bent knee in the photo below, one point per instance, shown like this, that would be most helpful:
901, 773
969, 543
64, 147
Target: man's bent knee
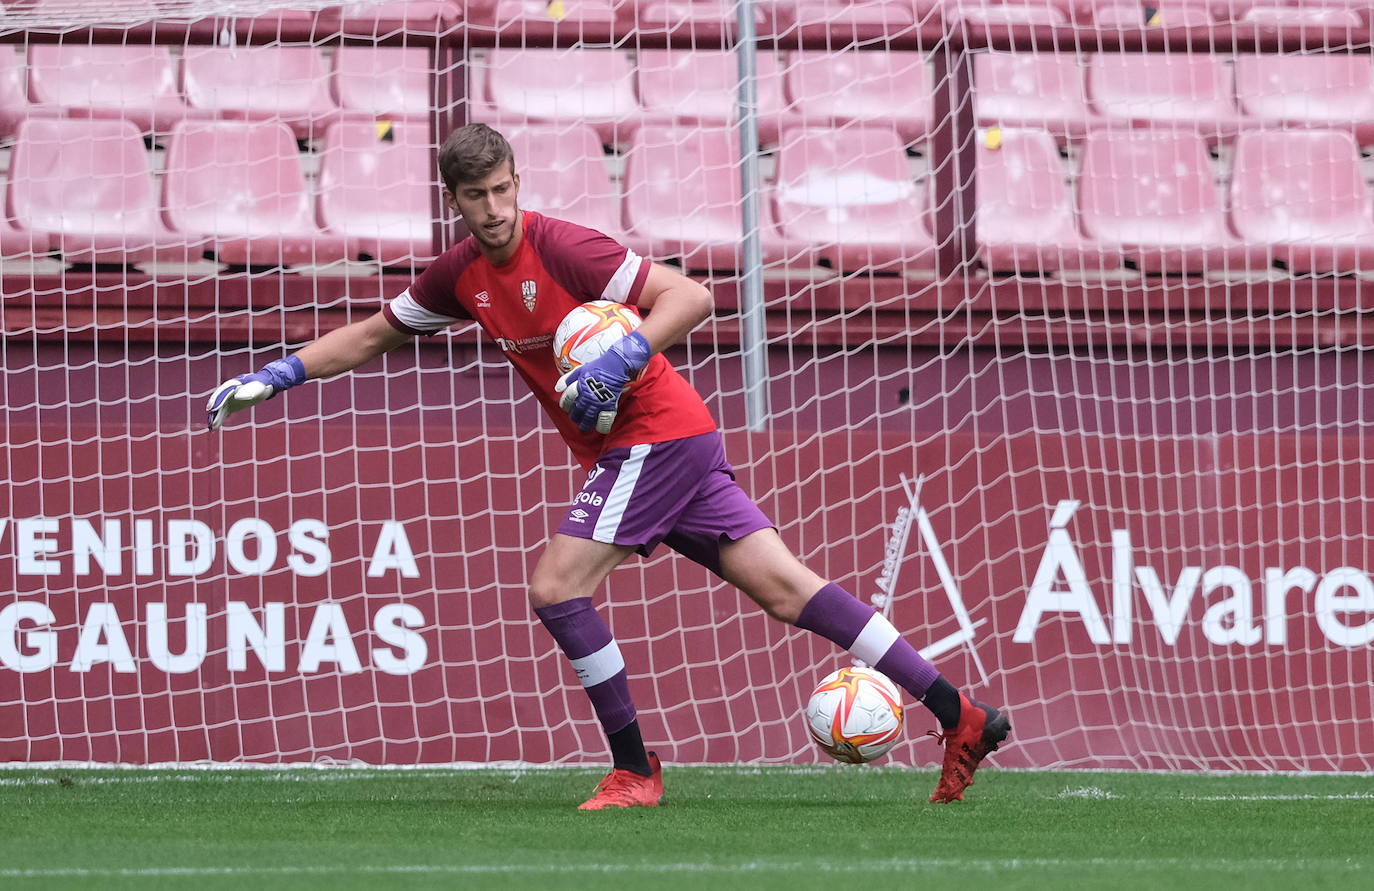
572, 567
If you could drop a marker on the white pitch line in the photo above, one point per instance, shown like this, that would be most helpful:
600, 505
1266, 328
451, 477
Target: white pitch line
79, 779
752, 866
1336, 796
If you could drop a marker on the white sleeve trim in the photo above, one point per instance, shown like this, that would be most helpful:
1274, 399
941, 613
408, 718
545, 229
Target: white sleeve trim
411, 314
618, 288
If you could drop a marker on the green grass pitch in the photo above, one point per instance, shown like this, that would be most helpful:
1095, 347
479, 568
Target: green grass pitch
720, 827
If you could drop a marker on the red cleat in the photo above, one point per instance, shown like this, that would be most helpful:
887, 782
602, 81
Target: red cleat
625, 788
981, 729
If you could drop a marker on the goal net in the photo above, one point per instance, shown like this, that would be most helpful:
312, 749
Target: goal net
1052, 349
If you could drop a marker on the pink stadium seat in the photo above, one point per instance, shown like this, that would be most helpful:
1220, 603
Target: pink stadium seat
1193, 91
285, 83
1151, 195
1135, 16
1308, 90
849, 194
593, 86
701, 86
400, 16
710, 22
1266, 18
1221, 12
86, 187
14, 99
683, 197
278, 24
563, 174
1006, 12
376, 189
239, 184
382, 81
1301, 194
841, 24
15, 244
591, 20
857, 86
1025, 219
1041, 90
135, 82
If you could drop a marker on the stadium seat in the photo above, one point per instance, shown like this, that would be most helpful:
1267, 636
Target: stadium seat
1135, 16
285, 83
1310, 18
397, 17
1039, 90
135, 82
1301, 194
682, 197
1193, 91
702, 86
1151, 195
86, 188
239, 185
376, 189
711, 23
849, 194
1025, 219
382, 81
1327, 91
563, 174
856, 86
590, 20
842, 24
278, 24
14, 98
15, 244
594, 86
1006, 12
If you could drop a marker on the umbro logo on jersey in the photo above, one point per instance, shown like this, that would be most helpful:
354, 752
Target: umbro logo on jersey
483, 300
579, 515
528, 293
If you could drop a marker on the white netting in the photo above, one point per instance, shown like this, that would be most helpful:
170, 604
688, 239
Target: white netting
1064, 368
58, 16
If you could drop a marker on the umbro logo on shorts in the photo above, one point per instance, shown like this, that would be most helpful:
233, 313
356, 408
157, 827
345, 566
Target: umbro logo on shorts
579, 515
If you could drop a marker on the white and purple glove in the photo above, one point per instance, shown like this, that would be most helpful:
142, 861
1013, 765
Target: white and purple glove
592, 391
248, 390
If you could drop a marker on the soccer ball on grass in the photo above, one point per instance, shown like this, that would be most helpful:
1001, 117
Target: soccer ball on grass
589, 330
855, 715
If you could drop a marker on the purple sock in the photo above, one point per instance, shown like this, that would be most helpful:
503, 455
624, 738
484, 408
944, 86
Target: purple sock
581, 633
839, 617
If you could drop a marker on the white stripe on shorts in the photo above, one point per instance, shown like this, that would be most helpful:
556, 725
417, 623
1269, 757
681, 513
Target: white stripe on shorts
618, 499
600, 666
874, 641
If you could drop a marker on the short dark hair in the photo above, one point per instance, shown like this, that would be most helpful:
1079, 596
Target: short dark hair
471, 153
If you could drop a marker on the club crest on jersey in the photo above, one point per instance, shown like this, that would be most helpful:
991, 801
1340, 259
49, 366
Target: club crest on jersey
527, 293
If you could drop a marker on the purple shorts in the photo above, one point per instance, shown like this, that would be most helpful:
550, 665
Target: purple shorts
681, 492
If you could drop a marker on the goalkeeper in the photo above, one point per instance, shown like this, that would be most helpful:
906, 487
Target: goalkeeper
657, 472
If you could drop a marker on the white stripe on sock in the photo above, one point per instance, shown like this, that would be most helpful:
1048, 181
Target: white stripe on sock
618, 499
874, 641
600, 666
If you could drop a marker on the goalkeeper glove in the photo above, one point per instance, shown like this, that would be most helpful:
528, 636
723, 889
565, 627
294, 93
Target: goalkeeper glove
592, 391
248, 390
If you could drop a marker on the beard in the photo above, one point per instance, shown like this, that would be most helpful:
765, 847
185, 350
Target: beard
499, 237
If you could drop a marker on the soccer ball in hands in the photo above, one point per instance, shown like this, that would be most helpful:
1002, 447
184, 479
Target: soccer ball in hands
589, 330
855, 715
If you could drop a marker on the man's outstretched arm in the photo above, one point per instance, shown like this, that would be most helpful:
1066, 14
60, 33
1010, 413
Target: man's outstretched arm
342, 349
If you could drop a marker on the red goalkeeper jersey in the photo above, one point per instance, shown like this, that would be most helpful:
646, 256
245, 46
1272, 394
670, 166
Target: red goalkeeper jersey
520, 303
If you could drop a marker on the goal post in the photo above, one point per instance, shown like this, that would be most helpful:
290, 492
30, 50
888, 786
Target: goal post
1049, 378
